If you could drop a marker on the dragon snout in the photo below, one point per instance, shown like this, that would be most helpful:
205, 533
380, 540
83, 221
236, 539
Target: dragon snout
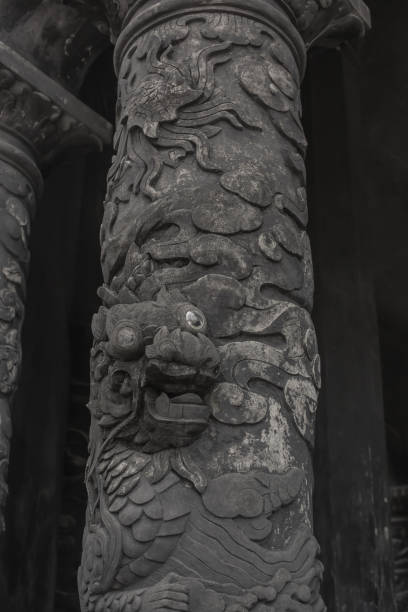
183, 347
180, 360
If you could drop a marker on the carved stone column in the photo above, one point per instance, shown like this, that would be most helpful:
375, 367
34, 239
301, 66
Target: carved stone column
205, 369
38, 119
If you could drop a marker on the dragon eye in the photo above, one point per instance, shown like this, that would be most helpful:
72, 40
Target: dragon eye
191, 318
195, 320
126, 340
126, 337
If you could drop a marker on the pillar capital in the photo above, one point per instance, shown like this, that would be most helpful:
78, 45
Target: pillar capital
308, 21
335, 22
320, 16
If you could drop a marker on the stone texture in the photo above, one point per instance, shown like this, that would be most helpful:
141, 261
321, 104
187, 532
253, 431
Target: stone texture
205, 369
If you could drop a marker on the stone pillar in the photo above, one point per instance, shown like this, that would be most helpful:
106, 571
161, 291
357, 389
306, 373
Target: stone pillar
38, 119
205, 370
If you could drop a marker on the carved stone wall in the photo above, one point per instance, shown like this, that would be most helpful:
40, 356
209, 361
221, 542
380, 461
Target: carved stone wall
205, 370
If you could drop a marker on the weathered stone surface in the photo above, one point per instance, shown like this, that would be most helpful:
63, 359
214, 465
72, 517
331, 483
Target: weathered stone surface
205, 369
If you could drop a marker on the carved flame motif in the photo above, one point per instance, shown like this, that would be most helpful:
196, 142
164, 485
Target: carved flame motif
205, 370
176, 105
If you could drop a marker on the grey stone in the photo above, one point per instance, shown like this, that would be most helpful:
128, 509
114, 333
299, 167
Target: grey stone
205, 366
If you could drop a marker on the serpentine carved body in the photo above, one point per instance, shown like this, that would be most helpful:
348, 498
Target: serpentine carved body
205, 370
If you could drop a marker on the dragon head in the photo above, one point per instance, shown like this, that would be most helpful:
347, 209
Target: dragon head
153, 364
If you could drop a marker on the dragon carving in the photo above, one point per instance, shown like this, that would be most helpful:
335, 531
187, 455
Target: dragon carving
204, 369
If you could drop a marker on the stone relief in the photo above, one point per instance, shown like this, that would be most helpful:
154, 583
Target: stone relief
205, 369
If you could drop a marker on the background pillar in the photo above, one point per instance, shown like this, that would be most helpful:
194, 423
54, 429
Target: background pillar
39, 120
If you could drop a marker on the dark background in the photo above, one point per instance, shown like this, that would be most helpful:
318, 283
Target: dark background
356, 119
